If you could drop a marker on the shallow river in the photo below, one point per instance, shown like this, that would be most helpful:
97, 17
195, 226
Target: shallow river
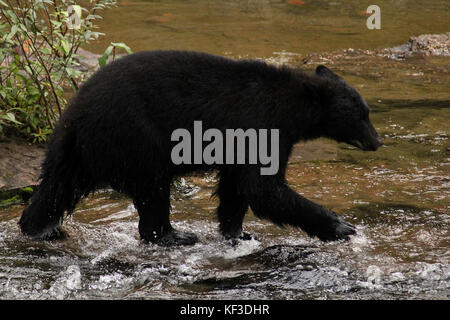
398, 197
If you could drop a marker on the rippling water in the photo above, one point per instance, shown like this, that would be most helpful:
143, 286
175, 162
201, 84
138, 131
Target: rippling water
398, 197
401, 250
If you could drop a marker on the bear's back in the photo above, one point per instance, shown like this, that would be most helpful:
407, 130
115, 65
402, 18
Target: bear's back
183, 84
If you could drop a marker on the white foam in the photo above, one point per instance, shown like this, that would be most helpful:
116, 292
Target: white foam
113, 280
433, 271
68, 281
397, 276
242, 249
73, 280
360, 241
373, 274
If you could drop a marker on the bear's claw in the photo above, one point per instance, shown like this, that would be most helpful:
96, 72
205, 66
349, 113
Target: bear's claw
344, 229
339, 230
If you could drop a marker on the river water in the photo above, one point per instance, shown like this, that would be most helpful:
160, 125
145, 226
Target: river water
398, 197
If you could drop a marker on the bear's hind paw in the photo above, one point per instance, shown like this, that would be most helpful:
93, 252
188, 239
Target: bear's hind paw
57, 233
176, 238
234, 241
51, 234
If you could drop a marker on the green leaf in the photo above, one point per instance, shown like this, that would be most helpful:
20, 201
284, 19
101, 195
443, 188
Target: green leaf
103, 59
14, 29
65, 46
122, 46
45, 50
93, 17
10, 117
56, 24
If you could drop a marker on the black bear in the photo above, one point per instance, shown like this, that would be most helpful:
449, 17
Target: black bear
117, 132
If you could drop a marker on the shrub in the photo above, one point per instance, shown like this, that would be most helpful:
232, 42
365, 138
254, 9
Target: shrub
39, 40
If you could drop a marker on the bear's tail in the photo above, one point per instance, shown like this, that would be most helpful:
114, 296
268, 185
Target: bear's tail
60, 189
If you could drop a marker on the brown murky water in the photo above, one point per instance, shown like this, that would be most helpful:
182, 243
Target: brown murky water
398, 196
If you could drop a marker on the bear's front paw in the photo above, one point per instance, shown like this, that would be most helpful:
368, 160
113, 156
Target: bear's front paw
344, 229
174, 238
333, 228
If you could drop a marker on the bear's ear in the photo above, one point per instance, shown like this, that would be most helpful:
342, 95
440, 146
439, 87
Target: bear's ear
323, 71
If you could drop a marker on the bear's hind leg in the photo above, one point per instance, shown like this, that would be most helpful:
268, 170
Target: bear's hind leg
232, 208
42, 219
154, 224
63, 183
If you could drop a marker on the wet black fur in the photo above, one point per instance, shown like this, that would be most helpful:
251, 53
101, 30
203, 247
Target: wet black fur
116, 132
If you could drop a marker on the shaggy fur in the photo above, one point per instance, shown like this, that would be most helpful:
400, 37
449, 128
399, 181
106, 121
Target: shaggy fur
116, 132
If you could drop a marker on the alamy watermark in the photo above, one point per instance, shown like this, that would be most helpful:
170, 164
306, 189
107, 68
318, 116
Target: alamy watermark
374, 20
74, 17
235, 142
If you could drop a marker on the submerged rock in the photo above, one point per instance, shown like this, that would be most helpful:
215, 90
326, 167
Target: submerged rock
425, 44
88, 61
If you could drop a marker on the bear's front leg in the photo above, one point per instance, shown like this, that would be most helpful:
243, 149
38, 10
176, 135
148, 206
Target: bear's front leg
154, 224
232, 208
272, 199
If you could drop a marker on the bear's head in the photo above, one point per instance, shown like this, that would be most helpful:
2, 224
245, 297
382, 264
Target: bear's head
345, 116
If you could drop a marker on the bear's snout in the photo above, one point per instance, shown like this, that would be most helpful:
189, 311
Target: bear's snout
374, 144
380, 142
